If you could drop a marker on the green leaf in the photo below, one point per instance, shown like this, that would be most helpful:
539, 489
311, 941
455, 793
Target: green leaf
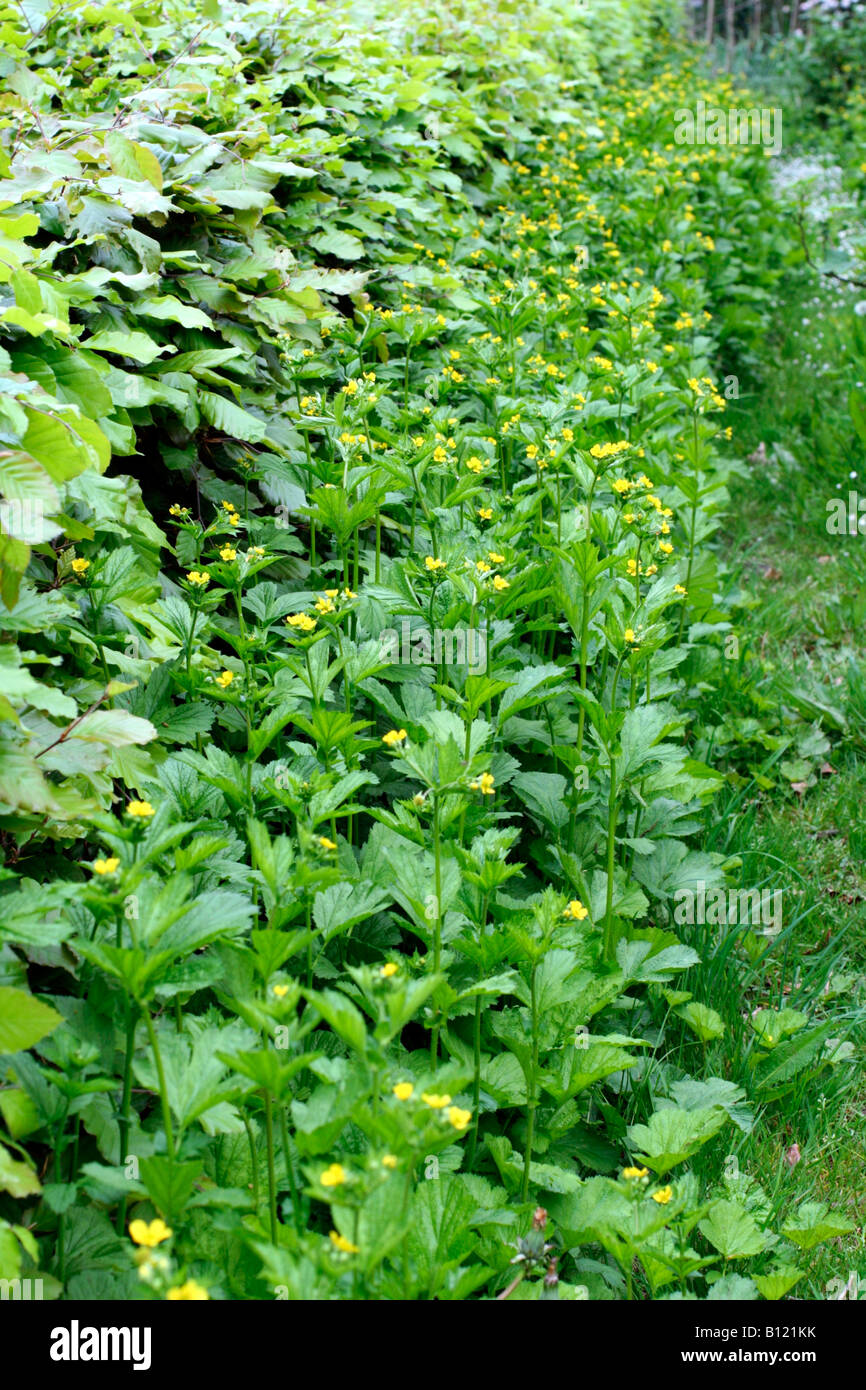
814, 1222
672, 1136
23, 1020
704, 1022
138, 346
732, 1231
16, 1178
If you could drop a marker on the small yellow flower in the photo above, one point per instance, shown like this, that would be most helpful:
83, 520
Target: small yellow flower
228, 507
663, 1196
482, 566
389, 1161
393, 737
334, 1176
496, 557
629, 635
342, 1244
433, 565
200, 578
484, 784
105, 866
149, 1233
680, 589
459, 1118
80, 566
325, 843
140, 810
500, 584
228, 553
576, 910
435, 1102
635, 1172
302, 622
281, 991
404, 1090
388, 970
665, 547
190, 1291
225, 679
325, 605
257, 551
485, 513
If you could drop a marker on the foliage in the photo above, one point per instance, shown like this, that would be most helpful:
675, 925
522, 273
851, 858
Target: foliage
328, 957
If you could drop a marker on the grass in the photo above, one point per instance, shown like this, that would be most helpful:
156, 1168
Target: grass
804, 605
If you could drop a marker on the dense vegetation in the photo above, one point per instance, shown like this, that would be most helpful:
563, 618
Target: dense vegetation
375, 668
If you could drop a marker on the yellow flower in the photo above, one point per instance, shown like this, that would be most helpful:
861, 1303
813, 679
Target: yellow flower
389, 1161
635, 1172
484, 784
499, 583
200, 578
80, 566
105, 866
190, 1291
281, 991
302, 621
228, 553
482, 566
576, 910
257, 551
475, 464
459, 1118
394, 736
629, 634
149, 1233
334, 1176
141, 810
228, 507
665, 547
433, 565
663, 1196
680, 589
388, 970
324, 605
496, 558
435, 1102
404, 1090
225, 679
326, 843
342, 1244
485, 513
350, 388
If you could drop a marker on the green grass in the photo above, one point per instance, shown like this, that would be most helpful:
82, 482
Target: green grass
802, 626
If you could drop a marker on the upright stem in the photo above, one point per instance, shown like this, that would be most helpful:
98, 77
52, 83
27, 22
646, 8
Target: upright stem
163, 1091
437, 929
272, 1176
126, 1095
532, 1101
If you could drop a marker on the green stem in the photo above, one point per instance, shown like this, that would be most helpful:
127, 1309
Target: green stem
272, 1176
163, 1090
